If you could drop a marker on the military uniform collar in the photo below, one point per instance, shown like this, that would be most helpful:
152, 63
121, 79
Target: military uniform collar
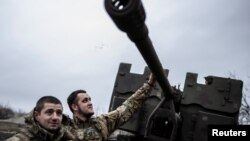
80, 123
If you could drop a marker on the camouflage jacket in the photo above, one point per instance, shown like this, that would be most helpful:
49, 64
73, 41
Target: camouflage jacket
99, 128
34, 132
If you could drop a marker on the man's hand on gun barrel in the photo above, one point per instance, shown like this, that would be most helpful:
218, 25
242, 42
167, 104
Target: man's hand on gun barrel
151, 80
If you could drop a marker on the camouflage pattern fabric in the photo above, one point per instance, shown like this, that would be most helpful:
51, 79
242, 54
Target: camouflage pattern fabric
34, 132
99, 128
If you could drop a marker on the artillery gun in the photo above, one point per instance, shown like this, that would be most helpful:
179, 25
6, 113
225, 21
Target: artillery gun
169, 114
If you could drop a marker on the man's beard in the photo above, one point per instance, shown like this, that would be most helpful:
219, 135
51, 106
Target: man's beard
87, 115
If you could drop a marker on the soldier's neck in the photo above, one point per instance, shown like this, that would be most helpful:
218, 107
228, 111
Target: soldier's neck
81, 117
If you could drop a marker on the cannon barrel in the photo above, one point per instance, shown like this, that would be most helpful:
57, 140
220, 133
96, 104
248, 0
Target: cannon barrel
129, 16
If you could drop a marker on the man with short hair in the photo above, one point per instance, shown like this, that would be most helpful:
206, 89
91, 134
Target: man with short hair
86, 127
44, 123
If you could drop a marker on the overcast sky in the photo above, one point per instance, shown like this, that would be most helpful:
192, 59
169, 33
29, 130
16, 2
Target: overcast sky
52, 47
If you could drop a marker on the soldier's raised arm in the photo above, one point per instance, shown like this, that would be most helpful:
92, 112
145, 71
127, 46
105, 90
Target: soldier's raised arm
109, 122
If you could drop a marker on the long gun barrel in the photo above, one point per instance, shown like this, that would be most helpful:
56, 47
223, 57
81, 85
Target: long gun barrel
129, 16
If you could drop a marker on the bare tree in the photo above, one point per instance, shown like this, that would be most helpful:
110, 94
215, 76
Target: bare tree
244, 115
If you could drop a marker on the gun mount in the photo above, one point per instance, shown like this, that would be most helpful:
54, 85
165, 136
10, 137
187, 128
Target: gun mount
216, 102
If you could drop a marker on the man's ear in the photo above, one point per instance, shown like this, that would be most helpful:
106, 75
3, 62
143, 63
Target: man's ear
35, 114
74, 107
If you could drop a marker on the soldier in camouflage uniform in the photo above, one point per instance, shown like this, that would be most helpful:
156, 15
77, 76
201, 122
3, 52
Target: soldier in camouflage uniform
44, 123
86, 127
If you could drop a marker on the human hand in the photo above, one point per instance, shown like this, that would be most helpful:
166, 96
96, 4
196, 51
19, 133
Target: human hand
152, 79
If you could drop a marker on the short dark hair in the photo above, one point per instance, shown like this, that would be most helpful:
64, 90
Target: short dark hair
46, 99
72, 98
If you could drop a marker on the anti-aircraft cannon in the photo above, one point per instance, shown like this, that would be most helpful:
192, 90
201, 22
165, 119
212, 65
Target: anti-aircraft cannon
169, 114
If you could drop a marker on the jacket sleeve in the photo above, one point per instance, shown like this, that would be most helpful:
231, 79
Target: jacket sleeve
112, 120
18, 137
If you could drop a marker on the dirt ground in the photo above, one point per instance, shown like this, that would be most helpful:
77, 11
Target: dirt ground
10, 127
